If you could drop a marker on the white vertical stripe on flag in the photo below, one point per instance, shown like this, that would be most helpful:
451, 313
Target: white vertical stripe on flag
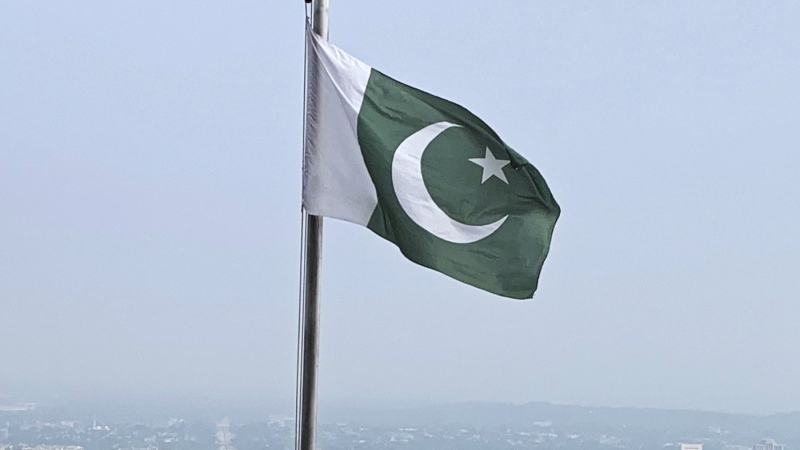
335, 179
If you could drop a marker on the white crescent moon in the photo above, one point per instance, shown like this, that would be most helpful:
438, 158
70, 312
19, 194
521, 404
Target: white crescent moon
415, 199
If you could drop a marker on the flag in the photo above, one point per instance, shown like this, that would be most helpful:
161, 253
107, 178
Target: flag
423, 173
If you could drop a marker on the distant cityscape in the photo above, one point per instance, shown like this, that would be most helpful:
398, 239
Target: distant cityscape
26, 427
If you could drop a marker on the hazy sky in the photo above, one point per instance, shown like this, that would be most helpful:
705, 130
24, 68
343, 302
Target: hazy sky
150, 189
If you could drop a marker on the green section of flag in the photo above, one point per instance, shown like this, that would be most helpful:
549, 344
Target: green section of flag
507, 261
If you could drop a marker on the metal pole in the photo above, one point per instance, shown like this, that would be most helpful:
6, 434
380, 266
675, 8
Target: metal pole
320, 18
307, 426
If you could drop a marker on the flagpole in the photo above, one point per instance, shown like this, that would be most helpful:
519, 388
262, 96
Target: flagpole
309, 357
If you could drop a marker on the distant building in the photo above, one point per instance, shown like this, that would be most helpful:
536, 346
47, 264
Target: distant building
768, 444
690, 447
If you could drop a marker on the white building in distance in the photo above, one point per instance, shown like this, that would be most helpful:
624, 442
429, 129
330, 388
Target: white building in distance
690, 447
768, 444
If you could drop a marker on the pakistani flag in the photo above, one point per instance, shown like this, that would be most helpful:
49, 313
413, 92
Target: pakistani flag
423, 173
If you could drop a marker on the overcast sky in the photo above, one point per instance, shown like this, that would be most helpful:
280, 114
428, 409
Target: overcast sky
150, 189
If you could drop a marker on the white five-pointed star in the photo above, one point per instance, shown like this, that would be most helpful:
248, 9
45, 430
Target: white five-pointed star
491, 167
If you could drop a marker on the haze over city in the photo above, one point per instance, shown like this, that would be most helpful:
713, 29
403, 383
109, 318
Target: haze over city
150, 205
